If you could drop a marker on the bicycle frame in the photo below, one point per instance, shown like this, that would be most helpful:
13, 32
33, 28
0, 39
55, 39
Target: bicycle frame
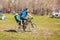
33, 26
31, 23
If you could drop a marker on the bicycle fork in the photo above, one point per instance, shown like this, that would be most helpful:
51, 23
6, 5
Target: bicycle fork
32, 25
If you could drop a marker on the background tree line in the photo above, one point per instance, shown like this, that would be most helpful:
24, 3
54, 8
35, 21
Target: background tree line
40, 7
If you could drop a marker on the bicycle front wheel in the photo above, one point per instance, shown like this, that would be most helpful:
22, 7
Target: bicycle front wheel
33, 27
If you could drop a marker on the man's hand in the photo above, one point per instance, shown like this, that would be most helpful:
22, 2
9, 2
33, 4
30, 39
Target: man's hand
29, 14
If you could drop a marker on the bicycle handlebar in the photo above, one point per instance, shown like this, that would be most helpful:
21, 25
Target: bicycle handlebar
29, 19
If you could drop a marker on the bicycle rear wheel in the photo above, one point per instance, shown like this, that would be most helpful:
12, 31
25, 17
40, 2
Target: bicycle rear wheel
18, 28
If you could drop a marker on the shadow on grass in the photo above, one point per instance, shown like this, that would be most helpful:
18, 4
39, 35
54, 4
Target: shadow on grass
10, 30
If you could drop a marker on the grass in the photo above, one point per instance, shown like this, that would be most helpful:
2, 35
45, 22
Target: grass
47, 29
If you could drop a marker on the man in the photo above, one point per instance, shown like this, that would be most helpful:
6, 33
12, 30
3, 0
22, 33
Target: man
59, 14
23, 17
53, 15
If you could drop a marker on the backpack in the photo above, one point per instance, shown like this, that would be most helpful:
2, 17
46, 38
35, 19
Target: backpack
23, 14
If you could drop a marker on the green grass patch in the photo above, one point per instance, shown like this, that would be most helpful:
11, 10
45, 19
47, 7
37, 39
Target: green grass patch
47, 29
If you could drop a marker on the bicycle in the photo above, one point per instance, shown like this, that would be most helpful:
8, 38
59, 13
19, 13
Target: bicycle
33, 26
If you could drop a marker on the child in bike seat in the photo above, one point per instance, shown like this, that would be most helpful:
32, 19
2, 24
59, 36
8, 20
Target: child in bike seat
17, 18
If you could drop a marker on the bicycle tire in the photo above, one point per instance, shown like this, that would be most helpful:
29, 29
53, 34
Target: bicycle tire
18, 28
33, 27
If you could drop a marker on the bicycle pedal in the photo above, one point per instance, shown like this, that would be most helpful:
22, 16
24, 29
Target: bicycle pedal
19, 27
